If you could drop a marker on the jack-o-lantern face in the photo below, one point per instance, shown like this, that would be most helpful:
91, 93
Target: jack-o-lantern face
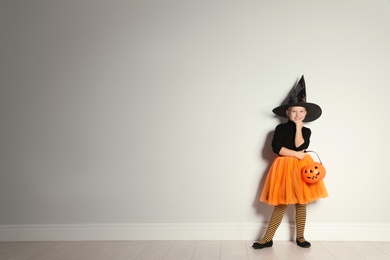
313, 173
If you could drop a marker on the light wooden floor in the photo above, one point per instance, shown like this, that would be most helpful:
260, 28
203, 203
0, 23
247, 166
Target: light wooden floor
185, 250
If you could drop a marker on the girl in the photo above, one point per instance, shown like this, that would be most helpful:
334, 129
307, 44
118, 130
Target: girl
284, 184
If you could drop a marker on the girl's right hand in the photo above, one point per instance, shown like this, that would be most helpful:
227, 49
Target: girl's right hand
300, 154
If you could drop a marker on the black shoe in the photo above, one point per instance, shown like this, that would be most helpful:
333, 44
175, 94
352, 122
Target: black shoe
257, 245
303, 244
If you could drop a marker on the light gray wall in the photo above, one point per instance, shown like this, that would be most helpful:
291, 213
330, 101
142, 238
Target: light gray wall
160, 111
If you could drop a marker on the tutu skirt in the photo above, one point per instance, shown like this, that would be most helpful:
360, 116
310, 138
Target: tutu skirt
284, 184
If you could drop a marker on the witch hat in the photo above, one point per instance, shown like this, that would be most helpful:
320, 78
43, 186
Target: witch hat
297, 97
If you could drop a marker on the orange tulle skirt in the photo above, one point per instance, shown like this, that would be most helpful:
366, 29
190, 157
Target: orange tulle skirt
284, 184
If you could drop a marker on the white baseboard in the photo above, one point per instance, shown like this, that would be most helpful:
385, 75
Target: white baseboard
190, 231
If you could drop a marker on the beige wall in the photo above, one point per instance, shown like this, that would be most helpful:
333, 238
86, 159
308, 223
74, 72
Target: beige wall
160, 111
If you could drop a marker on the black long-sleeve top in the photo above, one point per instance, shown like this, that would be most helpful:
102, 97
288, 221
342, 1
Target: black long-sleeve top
284, 136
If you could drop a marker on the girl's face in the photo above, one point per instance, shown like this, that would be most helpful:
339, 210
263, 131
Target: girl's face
296, 114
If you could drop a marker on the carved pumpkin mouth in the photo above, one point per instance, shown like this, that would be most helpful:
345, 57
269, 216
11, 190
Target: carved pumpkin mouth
314, 176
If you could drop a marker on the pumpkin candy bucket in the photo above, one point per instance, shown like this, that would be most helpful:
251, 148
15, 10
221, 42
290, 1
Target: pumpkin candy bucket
313, 172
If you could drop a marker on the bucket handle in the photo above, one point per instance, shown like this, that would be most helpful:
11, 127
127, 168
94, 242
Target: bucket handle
309, 151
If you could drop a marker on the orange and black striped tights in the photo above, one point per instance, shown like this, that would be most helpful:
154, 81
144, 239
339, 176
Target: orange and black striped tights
276, 219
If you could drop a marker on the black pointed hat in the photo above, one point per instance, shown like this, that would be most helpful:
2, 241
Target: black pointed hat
297, 97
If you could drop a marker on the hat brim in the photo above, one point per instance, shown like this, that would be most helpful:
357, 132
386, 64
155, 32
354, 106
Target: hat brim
314, 111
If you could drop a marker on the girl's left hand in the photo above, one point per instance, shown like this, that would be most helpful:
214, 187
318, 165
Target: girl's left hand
299, 124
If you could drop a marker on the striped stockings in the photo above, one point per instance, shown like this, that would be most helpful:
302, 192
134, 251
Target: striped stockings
277, 217
300, 219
